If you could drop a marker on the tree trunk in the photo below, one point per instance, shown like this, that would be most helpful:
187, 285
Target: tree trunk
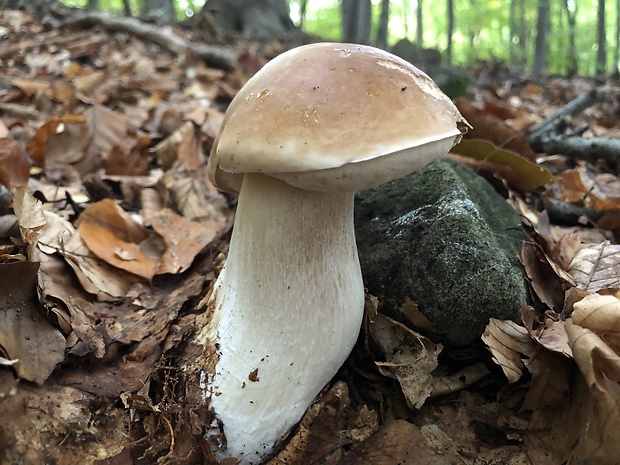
542, 30
601, 53
573, 68
512, 26
92, 5
356, 20
251, 19
303, 8
420, 24
616, 69
127, 8
450, 31
405, 18
159, 10
382, 30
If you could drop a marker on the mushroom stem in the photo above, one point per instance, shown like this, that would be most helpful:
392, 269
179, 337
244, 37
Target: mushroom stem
287, 309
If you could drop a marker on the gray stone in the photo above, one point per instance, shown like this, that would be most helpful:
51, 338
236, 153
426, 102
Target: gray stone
444, 238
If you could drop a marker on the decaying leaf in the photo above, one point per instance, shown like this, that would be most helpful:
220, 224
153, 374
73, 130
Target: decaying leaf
507, 341
513, 349
25, 333
410, 358
597, 266
318, 438
549, 281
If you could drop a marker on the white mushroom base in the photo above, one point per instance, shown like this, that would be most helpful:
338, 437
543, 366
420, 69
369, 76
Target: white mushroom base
288, 306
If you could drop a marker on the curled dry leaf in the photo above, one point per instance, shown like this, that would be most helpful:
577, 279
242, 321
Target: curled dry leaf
49, 234
595, 411
115, 237
547, 278
596, 267
513, 349
601, 314
410, 358
25, 333
507, 341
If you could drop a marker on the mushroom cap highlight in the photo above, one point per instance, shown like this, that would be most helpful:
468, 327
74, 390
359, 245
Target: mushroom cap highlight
314, 112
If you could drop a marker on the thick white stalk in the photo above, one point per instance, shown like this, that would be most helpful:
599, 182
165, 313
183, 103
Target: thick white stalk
288, 306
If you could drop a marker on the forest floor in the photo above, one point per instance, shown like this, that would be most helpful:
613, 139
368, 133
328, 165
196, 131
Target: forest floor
111, 234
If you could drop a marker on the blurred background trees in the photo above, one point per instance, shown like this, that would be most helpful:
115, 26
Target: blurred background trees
534, 36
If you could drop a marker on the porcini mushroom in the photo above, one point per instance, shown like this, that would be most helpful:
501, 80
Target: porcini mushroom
312, 127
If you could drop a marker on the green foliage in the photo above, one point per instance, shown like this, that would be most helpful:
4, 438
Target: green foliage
482, 27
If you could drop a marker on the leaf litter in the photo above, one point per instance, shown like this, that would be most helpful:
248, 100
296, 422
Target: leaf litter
102, 148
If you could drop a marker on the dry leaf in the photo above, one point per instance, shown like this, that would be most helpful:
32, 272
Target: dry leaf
113, 235
520, 172
410, 358
14, 168
601, 314
596, 409
318, 439
60, 140
25, 333
513, 349
507, 341
51, 234
596, 267
184, 239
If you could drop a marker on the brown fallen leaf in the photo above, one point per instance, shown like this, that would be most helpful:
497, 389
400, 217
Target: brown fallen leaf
507, 341
596, 267
398, 442
184, 239
115, 237
61, 140
594, 423
601, 314
25, 333
489, 127
318, 438
410, 358
549, 281
48, 234
513, 349
14, 168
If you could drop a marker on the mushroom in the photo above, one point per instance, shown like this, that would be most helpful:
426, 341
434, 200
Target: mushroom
312, 127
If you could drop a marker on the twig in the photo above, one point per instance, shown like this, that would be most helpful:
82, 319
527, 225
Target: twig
215, 55
550, 136
572, 108
586, 148
19, 111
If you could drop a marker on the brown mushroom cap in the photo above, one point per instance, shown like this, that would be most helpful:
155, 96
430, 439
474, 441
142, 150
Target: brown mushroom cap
323, 106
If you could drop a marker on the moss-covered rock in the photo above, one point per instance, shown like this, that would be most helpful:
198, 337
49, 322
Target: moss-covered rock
445, 239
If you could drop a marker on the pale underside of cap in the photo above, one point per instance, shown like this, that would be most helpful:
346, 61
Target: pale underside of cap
325, 106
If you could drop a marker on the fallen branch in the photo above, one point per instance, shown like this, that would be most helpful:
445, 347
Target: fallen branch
572, 108
551, 137
587, 148
215, 55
